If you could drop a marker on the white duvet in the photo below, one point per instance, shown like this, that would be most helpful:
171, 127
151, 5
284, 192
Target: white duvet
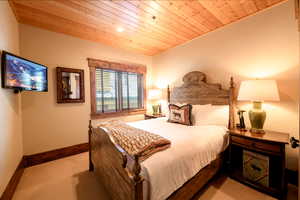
192, 148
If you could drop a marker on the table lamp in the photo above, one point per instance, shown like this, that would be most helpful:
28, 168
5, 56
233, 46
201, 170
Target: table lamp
258, 91
155, 95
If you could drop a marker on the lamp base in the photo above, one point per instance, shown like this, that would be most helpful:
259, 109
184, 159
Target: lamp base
156, 109
257, 118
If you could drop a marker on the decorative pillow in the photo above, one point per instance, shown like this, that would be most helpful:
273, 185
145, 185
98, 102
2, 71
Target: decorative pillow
177, 104
180, 114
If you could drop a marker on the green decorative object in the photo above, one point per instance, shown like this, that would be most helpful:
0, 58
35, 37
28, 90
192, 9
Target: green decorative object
155, 109
258, 91
257, 117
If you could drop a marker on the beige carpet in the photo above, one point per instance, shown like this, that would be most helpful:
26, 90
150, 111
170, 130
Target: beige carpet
68, 179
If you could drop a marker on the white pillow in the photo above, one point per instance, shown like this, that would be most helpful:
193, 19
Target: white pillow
197, 110
212, 115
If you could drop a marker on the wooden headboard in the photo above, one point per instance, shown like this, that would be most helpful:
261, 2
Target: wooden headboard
196, 91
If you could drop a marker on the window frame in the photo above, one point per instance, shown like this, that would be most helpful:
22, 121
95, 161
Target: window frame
107, 65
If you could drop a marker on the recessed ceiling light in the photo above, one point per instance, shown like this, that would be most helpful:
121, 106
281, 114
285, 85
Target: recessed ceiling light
120, 29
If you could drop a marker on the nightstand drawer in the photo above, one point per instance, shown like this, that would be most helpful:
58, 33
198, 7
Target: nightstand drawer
253, 144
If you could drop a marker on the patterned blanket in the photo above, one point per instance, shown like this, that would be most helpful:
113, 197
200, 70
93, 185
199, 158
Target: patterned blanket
134, 141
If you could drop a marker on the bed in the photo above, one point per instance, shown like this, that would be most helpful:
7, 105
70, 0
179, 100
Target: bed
179, 172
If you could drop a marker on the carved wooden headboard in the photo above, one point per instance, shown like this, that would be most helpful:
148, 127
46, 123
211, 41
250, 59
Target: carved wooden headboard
196, 91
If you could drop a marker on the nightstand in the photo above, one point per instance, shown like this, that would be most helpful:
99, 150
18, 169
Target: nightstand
151, 116
258, 160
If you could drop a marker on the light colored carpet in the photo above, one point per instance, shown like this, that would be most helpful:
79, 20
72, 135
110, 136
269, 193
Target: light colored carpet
68, 179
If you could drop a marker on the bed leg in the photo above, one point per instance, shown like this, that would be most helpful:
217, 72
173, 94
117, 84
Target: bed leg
91, 165
138, 185
139, 190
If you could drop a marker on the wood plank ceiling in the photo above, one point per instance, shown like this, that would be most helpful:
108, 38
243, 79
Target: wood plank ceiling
143, 26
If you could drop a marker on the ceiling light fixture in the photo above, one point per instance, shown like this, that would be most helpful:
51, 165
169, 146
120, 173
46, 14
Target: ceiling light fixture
120, 29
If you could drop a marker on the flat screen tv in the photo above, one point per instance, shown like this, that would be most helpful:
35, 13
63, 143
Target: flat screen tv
22, 74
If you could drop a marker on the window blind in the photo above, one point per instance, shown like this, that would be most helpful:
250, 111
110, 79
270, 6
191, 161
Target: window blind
117, 90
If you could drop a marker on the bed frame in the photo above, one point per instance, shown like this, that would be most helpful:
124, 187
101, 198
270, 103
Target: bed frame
120, 173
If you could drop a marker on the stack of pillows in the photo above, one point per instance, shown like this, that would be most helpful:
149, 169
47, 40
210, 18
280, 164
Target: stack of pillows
198, 115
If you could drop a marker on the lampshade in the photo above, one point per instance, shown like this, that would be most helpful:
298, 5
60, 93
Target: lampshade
155, 94
258, 90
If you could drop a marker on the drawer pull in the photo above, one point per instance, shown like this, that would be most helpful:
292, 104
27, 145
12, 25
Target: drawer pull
256, 168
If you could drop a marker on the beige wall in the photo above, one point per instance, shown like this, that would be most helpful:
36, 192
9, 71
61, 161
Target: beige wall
11, 147
48, 125
264, 46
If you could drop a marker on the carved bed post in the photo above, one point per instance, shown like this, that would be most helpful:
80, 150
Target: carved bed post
138, 180
91, 166
169, 92
232, 102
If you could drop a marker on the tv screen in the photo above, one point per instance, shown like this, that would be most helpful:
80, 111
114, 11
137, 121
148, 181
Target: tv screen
21, 74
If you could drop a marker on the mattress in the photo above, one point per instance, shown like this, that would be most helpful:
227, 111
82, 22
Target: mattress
192, 148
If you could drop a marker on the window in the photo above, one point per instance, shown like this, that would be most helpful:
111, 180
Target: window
116, 89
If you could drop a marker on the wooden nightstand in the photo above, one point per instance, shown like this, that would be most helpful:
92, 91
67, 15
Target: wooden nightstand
151, 116
258, 160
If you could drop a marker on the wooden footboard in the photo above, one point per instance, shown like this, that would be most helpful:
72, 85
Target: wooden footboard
119, 172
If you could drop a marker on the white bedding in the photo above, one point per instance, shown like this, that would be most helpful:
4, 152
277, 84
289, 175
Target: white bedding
192, 148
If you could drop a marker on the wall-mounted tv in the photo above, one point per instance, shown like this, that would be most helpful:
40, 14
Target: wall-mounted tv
22, 74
